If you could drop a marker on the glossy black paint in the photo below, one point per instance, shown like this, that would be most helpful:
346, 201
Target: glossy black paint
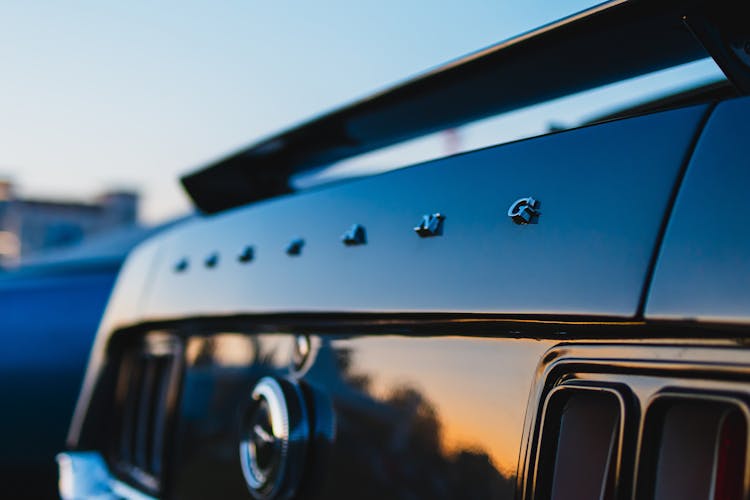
430, 360
703, 271
389, 422
419, 417
604, 191
725, 37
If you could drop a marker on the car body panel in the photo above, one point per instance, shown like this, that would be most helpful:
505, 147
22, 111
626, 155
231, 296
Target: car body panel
428, 416
703, 271
422, 363
603, 192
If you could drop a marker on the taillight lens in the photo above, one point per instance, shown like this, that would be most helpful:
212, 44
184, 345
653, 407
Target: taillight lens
693, 448
730, 462
580, 445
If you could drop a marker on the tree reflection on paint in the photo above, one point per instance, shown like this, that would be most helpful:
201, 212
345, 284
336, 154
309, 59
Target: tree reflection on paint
391, 447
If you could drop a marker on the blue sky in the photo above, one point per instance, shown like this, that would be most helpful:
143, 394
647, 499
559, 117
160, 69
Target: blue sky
106, 94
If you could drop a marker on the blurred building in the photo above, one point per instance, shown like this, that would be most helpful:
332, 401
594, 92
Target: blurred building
29, 226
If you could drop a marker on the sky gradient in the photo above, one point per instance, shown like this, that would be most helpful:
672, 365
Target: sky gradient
98, 95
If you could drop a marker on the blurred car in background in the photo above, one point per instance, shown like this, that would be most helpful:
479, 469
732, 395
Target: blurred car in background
50, 307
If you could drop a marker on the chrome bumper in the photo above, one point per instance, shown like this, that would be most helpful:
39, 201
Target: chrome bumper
84, 475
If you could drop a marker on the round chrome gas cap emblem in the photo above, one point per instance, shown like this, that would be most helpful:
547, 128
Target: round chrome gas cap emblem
273, 439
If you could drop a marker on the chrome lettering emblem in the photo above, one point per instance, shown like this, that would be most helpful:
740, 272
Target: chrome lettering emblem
356, 235
212, 260
247, 254
524, 211
182, 265
431, 225
294, 248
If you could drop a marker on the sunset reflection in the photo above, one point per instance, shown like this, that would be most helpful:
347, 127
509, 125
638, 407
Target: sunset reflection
403, 419
486, 417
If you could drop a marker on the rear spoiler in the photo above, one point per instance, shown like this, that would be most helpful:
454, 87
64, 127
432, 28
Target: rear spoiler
614, 41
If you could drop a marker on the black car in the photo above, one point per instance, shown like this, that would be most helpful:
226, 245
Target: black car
562, 317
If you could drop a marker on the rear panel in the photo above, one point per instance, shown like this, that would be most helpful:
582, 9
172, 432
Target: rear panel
478, 360
601, 191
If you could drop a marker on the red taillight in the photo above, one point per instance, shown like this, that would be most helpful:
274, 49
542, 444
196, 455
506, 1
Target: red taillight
694, 447
730, 460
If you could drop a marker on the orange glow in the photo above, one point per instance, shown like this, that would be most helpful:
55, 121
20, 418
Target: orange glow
487, 417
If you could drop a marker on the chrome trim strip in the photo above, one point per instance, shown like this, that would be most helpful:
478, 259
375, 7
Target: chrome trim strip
85, 475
